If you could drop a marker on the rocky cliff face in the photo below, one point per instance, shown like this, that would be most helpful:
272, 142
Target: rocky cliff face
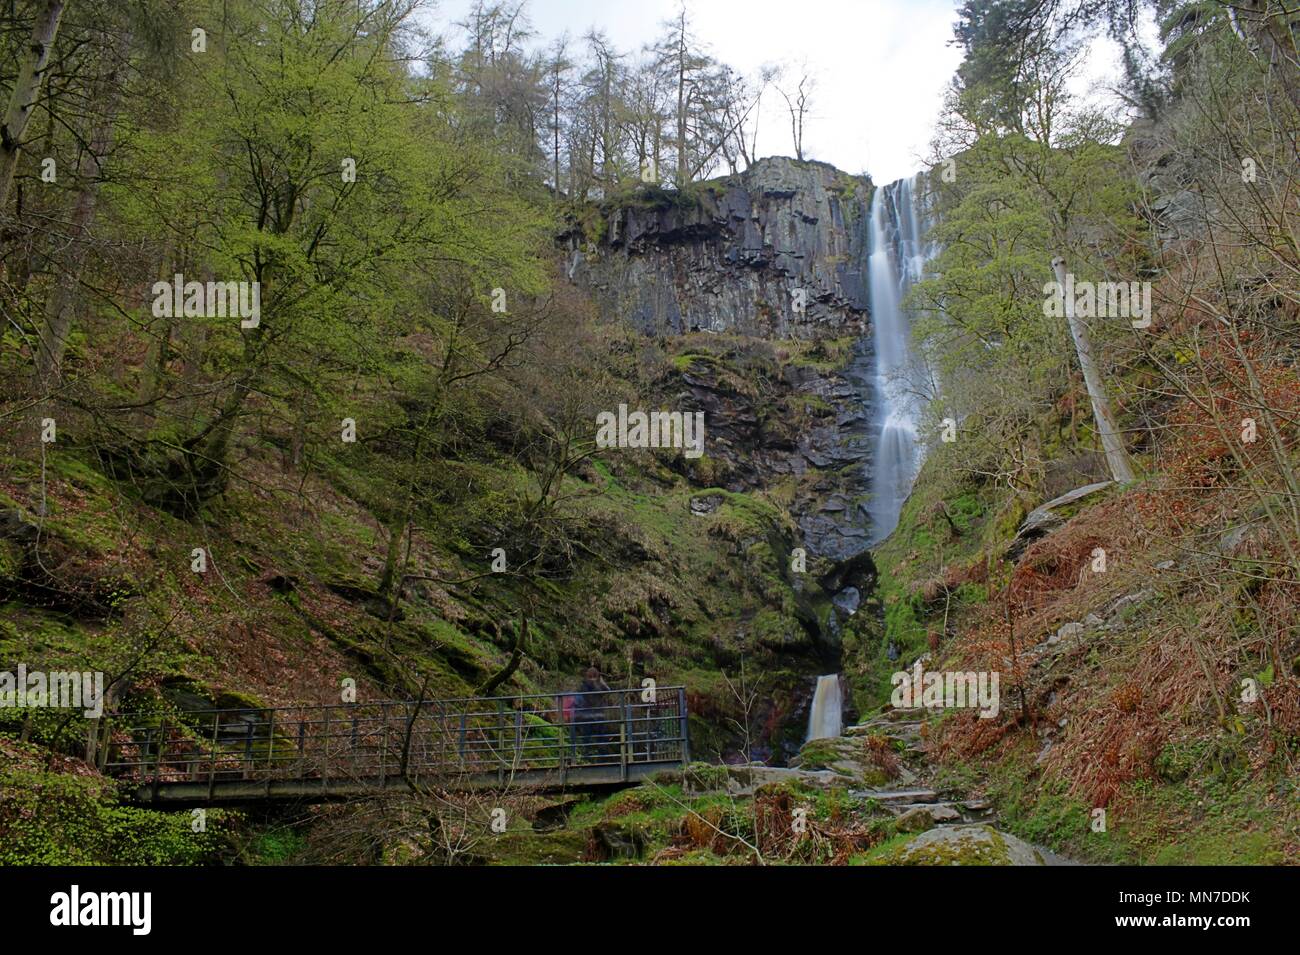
810, 422
778, 251
764, 274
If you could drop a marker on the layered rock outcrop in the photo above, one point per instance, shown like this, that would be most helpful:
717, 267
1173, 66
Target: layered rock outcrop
777, 251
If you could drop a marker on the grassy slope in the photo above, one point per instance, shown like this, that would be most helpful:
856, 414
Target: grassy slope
1129, 709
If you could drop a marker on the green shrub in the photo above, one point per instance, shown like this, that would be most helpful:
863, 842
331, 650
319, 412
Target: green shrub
56, 819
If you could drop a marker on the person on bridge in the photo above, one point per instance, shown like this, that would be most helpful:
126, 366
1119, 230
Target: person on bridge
589, 714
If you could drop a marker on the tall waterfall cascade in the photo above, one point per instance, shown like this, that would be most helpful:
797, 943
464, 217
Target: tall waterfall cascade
897, 259
825, 718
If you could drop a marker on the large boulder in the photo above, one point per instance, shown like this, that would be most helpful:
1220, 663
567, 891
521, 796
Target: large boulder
965, 845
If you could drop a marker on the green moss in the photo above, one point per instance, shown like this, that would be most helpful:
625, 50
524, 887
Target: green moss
11, 560
685, 362
1217, 848
275, 847
884, 851
901, 851
705, 777
819, 754
528, 848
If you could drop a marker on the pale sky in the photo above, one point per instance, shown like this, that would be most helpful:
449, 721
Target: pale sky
881, 66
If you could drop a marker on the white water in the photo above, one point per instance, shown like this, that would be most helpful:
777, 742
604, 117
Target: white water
824, 719
897, 259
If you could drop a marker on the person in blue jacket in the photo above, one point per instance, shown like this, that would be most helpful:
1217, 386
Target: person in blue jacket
589, 715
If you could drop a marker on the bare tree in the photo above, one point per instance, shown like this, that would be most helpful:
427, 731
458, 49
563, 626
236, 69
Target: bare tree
799, 102
558, 67
602, 82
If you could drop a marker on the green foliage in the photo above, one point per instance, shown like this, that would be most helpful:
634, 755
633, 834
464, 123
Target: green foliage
56, 819
276, 847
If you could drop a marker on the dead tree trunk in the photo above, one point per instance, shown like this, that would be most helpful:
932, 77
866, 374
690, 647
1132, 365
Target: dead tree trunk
1112, 442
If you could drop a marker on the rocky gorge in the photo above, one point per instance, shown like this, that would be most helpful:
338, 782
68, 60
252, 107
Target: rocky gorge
777, 258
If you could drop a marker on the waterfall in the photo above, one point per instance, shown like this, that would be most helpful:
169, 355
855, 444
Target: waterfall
824, 717
896, 260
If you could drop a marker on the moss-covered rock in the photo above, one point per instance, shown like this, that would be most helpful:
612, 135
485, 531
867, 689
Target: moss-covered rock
956, 845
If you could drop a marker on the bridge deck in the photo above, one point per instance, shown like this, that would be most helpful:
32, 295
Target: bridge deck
318, 753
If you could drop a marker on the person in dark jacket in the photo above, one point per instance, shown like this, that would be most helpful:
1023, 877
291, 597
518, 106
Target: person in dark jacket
589, 715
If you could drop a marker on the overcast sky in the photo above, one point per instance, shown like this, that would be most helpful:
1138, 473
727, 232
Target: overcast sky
881, 66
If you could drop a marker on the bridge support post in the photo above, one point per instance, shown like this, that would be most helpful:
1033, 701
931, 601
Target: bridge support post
270, 752
566, 740
212, 755
383, 747
500, 743
685, 726
250, 767
625, 734
325, 753
158, 765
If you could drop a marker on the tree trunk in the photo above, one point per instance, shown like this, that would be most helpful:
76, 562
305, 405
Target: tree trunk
388, 589
1272, 30
517, 650
1112, 442
152, 382
555, 117
27, 87
681, 102
59, 306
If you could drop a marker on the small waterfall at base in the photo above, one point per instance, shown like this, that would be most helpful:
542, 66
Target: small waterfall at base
896, 260
824, 719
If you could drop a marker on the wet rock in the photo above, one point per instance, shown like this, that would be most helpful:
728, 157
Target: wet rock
705, 504
611, 840
920, 818
848, 600
745, 780
1177, 214
1117, 611
748, 451
14, 526
1066, 631
1042, 753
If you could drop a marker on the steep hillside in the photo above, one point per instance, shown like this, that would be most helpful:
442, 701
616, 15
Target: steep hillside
686, 570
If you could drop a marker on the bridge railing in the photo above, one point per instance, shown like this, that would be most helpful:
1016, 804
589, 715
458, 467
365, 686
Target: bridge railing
392, 739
